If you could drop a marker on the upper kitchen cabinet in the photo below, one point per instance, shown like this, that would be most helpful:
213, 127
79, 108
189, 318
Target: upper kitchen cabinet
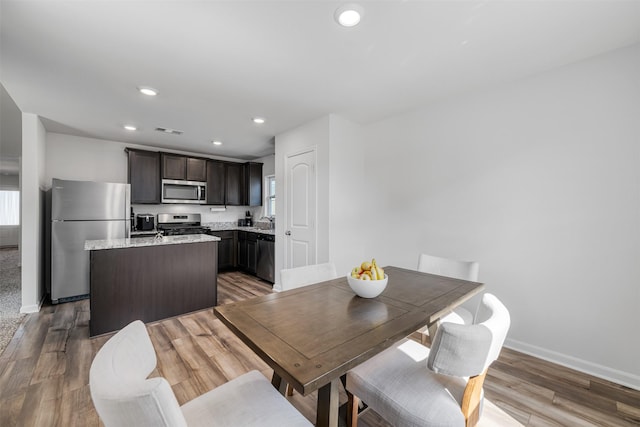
235, 184
253, 184
215, 182
175, 166
144, 176
196, 169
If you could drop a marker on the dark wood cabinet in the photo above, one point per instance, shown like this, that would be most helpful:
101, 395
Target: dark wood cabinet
234, 185
252, 252
226, 249
243, 186
247, 251
150, 283
253, 184
196, 169
175, 166
144, 176
215, 182
228, 183
242, 249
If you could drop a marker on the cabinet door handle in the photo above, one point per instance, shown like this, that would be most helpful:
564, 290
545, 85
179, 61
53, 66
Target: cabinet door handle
287, 233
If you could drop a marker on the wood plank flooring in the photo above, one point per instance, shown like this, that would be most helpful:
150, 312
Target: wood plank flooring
44, 372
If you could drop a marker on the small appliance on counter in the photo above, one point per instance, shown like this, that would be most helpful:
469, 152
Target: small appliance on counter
245, 222
248, 221
145, 222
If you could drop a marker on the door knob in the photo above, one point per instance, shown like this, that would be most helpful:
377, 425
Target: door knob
287, 233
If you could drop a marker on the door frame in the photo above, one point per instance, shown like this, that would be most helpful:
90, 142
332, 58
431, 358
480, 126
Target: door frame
310, 149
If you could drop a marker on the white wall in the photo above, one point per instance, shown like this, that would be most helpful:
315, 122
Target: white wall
538, 180
346, 205
85, 159
32, 186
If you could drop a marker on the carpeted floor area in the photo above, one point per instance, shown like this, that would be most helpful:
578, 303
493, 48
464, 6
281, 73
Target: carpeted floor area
10, 295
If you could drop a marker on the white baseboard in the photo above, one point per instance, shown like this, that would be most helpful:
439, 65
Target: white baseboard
626, 379
33, 308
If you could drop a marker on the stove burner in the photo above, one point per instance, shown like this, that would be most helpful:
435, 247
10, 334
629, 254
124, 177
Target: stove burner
176, 225
180, 229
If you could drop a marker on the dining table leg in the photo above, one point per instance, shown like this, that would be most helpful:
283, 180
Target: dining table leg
278, 383
328, 405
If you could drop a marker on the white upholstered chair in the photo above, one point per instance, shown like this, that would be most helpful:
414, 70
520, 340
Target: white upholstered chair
465, 270
292, 278
124, 396
409, 384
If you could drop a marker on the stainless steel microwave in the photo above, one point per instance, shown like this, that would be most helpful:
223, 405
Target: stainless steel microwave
177, 191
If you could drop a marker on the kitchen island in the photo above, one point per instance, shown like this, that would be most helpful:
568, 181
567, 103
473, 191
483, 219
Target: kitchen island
150, 279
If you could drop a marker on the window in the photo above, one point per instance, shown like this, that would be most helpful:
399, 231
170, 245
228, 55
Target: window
270, 196
9, 208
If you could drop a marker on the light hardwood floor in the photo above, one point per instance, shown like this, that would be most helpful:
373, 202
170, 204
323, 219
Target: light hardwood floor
44, 372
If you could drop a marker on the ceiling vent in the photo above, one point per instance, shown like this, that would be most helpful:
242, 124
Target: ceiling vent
171, 131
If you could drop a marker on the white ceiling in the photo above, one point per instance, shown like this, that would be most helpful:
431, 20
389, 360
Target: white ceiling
217, 64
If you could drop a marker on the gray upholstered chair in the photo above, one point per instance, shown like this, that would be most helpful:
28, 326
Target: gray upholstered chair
124, 396
292, 278
411, 385
465, 270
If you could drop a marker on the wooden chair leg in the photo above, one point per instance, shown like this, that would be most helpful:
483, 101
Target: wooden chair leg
471, 399
352, 410
289, 390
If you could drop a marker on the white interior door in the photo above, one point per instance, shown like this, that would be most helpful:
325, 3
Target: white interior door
300, 209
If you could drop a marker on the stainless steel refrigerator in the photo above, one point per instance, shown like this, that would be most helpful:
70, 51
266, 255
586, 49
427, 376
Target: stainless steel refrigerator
83, 210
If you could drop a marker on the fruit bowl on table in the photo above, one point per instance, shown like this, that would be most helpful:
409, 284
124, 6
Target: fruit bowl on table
367, 288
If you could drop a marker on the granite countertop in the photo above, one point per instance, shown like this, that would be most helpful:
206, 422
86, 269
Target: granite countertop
139, 233
226, 226
137, 242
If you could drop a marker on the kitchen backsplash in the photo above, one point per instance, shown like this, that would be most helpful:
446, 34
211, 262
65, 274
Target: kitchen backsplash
230, 214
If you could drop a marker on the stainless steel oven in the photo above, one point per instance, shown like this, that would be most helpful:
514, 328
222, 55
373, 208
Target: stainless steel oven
177, 191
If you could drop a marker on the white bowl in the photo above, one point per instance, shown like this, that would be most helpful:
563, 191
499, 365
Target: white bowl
367, 288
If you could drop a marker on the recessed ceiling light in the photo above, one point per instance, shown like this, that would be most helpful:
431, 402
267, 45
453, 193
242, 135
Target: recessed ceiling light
130, 127
146, 90
216, 142
258, 120
348, 15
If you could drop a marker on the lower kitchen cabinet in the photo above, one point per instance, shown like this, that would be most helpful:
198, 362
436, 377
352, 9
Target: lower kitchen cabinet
176, 279
252, 252
238, 250
242, 250
247, 251
226, 249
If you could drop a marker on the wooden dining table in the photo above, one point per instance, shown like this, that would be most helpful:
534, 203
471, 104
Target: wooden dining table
311, 336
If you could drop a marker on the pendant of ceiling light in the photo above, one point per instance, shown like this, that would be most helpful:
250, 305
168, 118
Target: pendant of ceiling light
348, 15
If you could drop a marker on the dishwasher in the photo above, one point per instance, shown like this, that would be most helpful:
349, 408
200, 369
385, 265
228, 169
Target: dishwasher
265, 268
